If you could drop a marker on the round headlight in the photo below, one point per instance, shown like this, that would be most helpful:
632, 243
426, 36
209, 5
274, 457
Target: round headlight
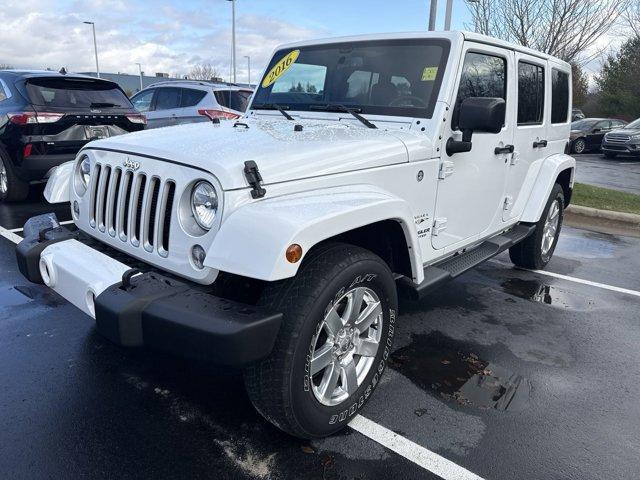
85, 171
204, 204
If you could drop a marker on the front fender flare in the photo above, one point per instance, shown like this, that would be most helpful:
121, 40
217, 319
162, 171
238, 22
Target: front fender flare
58, 184
253, 240
547, 176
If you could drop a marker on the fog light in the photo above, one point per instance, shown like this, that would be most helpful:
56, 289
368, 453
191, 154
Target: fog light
76, 209
197, 256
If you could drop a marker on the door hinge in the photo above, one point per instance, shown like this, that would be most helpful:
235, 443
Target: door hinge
439, 225
446, 170
508, 203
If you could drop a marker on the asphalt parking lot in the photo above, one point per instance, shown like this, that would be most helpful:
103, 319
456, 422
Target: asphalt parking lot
620, 173
505, 373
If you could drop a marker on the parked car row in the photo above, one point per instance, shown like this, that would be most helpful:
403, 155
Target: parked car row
609, 135
47, 117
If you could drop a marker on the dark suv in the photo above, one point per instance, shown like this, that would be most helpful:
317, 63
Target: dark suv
623, 141
46, 117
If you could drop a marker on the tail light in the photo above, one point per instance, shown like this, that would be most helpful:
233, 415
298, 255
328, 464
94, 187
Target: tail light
136, 118
26, 152
29, 118
211, 114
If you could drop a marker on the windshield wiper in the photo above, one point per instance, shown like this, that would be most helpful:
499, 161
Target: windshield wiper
337, 107
103, 105
273, 106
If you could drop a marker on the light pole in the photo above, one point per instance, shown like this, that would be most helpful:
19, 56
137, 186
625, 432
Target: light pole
248, 68
233, 38
447, 15
95, 45
140, 70
433, 13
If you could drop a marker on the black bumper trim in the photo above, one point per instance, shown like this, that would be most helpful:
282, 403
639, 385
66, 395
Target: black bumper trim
165, 314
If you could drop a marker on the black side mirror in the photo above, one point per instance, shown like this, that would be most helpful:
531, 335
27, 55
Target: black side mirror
477, 114
595, 130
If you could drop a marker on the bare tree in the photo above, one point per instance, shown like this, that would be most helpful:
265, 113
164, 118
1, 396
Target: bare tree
205, 71
5, 66
563, 28
632, 18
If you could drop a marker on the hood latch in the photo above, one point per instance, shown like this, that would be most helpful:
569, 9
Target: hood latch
254, 178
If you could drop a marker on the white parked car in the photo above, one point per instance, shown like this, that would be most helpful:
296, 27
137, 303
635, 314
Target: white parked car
175, 102
278, 243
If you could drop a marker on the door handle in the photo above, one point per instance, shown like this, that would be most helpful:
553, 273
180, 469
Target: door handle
505, 149
540, 144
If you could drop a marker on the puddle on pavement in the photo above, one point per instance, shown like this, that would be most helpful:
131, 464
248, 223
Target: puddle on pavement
448, 369
22, 294
539, 292
585, 247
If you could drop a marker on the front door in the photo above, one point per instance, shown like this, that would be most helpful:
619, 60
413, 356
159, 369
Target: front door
597, 133
530, 137
470, 194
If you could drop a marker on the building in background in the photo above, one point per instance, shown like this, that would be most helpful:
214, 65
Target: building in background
131, 83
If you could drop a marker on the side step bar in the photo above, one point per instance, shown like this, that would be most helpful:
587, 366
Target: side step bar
439, 273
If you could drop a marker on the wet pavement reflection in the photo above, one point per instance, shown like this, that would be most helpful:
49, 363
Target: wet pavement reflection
451, 371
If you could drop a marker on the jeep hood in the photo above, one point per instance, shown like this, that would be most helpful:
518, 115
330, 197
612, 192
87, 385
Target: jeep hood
282, 154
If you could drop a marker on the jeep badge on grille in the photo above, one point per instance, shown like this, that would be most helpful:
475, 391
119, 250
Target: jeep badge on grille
128, 163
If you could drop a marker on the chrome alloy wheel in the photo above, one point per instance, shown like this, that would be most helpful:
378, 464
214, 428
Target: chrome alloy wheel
550, 227
4, 182
345, 345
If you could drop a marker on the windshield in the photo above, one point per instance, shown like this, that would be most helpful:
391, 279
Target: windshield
634, 124
390, 77
75, 93
582, 124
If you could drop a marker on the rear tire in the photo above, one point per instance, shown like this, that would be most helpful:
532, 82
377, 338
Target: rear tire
12, 188
579, 146
610, 155
326, 362
536, 250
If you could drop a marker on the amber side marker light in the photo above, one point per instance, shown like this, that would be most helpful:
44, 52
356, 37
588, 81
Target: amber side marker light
294, 253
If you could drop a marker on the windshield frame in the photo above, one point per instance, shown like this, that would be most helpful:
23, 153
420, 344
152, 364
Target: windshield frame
371, 110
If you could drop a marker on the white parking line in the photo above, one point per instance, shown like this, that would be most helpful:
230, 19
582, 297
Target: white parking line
9, 235
588, 282
16, 230
417, 454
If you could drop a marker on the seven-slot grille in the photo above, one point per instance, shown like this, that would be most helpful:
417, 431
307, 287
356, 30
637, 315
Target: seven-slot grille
134, 207
618, 138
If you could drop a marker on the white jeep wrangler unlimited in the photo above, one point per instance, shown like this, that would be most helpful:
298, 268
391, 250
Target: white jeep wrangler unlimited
277, 243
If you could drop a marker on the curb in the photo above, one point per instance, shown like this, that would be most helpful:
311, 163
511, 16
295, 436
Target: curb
629, 219
603, 221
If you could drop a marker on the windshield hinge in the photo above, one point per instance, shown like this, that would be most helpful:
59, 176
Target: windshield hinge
252, 174
446, 170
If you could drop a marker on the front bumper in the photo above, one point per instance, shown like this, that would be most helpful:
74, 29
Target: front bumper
623, 148
146, 309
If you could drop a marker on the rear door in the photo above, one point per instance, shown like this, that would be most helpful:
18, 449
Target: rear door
530, 135
190, 103
166, 107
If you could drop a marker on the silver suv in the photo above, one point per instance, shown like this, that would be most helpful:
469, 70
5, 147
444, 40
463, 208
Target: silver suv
172, 103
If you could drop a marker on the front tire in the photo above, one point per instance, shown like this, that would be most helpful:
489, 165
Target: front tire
12, 188
536, 250
339, 314
579, 146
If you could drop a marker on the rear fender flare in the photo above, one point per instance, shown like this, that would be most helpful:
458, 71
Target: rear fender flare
549, 172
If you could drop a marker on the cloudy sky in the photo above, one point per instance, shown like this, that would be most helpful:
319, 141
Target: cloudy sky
173, 35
